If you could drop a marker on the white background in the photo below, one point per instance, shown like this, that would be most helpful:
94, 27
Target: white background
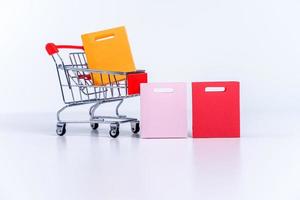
256, 42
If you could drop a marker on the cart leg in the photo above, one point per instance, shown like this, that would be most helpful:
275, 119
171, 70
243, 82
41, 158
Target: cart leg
61, 126
63, 108
92, 110
117, 110
59, 112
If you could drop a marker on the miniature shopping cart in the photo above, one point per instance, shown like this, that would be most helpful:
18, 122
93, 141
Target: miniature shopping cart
77, 88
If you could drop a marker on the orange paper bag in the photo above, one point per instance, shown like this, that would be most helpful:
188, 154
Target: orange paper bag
108, 50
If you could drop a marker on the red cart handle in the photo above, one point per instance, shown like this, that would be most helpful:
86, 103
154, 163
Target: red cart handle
51, 48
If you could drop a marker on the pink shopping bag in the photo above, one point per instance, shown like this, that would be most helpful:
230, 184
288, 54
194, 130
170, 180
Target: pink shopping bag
163, 110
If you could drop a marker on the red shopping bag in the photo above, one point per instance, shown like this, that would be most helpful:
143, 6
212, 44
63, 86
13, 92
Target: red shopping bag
134, 81
216, 109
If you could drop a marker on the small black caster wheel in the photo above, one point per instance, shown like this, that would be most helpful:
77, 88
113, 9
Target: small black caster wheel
61, 129
94, 126
135, 127
114, 130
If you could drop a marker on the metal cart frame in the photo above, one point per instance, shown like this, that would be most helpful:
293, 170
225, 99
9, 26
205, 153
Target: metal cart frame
77, 88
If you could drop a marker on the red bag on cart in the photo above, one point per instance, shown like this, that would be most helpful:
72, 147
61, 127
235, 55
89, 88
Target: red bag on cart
216, 109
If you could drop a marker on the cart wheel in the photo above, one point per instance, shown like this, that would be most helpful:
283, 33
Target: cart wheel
94, 126
135, 127
114, 130
61, 129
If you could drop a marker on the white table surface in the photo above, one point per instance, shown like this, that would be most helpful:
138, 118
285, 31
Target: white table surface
35, 164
